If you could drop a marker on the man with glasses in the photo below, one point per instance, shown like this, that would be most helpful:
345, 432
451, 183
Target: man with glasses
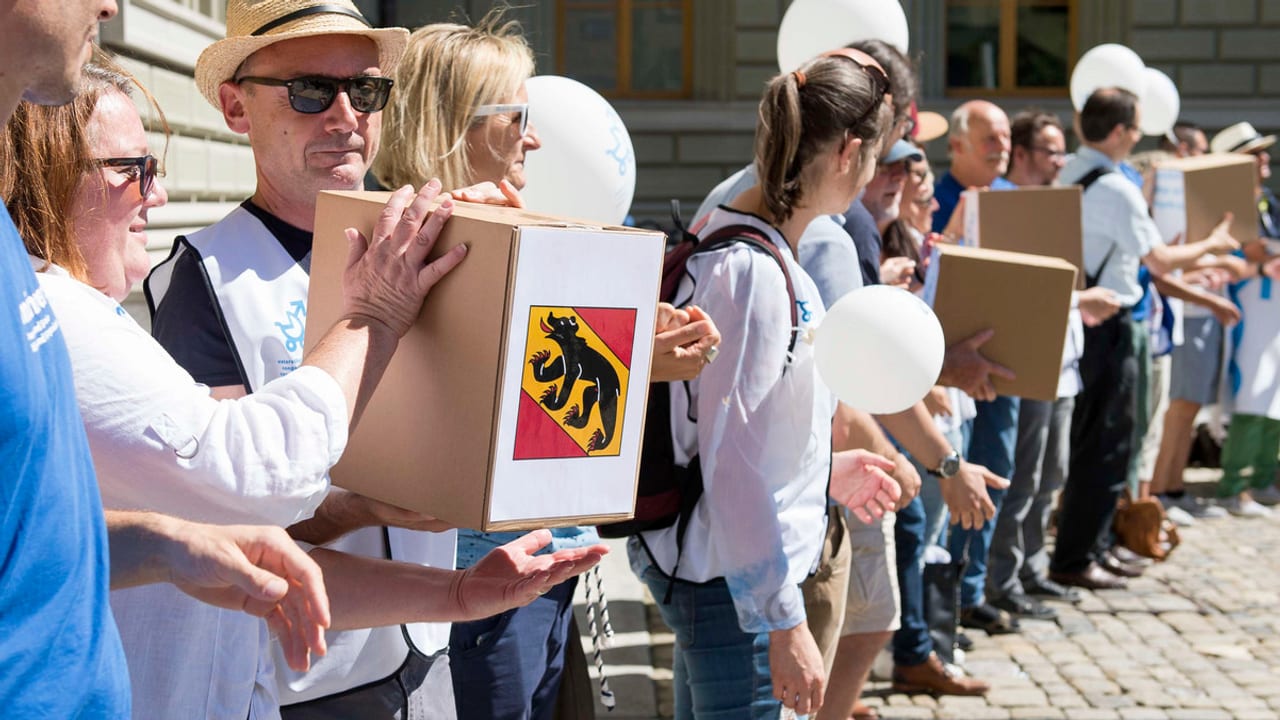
306, 82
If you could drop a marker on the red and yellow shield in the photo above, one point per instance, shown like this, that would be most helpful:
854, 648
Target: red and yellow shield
574, 389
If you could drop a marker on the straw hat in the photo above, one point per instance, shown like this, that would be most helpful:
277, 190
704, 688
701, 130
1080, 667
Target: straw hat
928, 125
1240, 138
255, 24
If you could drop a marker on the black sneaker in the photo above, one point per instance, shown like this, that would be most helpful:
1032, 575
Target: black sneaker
990, 618
1050, 590
1025, 607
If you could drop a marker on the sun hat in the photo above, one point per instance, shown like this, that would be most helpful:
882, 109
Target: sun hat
929, 125
255, 24
1240, 138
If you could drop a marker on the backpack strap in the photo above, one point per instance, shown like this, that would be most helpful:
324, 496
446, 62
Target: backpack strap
1091, 177
749, 235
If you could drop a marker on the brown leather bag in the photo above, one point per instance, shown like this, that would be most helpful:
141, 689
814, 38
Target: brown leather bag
1142, 526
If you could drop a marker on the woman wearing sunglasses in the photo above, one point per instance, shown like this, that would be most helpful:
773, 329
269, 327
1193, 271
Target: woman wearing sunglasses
762, 433
80, 183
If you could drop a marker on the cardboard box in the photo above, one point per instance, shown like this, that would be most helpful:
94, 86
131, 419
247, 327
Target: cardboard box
471, 422
1191, 194
1036, 220
1024, 298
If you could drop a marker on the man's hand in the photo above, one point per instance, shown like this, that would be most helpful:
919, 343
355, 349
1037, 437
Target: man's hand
964, 367
1223, 309
259, 570
343, 511
512, 576
904, 473
1220, 241
860, 481
898, 272
685, 341
388, 277
966, 496
486, 193
1097, 305
1271, 268
795, 667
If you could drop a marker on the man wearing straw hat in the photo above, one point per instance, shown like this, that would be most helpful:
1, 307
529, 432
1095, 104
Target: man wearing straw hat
306, 81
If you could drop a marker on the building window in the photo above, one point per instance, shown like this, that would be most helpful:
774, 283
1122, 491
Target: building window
627, 48
1010, 47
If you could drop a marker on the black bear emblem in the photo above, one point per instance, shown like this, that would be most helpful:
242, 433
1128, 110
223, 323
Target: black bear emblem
578, 362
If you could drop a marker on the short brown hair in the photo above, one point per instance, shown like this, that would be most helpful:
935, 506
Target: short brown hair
1026, 126
45, 152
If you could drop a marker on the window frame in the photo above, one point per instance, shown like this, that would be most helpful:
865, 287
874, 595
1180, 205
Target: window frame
625, 44
1007, 71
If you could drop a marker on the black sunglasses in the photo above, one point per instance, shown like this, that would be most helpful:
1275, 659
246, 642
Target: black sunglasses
144, 169
313, 94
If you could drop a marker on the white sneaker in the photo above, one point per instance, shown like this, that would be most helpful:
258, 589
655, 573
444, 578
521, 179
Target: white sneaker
1246, 508
1178, 516
1270, 495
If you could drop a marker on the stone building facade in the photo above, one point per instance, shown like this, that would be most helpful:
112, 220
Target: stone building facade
1223, 54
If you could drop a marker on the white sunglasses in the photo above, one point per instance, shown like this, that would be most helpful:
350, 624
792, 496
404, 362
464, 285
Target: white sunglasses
521, 110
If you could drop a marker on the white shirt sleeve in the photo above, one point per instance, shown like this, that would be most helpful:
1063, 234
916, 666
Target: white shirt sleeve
160, 442
740, 413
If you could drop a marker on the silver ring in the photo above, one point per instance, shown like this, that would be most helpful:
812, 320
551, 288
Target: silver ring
710, 355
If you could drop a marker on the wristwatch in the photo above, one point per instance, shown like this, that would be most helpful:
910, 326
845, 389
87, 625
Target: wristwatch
948, 467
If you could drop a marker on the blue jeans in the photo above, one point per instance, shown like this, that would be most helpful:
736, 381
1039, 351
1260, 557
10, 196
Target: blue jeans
995, 436
721, 672
509, 665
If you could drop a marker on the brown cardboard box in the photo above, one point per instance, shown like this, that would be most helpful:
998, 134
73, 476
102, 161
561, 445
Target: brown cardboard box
1024, 298
1192, 194
1036, 220
460, 427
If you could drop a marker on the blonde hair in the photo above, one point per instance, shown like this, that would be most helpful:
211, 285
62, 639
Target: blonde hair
446, 72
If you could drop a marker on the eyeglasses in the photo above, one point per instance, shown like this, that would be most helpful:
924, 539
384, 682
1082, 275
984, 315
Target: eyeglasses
142, 169
1049, 152
313, 94
521, 110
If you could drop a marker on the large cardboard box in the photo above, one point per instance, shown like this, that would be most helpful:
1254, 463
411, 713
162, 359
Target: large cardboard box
1024, 298
474, 421
1036, 220
1191, 195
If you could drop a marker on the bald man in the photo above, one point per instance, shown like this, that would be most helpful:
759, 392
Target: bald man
979, 144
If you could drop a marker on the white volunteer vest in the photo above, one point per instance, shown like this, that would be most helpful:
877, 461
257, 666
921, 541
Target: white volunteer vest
261, 295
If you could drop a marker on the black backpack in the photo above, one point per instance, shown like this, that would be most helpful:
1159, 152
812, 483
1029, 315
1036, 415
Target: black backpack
666, 491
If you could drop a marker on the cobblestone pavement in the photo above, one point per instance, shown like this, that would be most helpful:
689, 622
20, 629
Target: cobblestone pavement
1195, 638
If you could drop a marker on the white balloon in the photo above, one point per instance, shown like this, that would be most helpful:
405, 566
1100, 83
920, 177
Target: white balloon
879, 349
586, 167
1159, 103
1108, 65
812, 27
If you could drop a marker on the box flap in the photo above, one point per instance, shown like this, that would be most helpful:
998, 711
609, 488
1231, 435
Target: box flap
1035, 220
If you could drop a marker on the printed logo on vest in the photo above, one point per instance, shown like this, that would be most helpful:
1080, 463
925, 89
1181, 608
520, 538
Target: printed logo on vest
38, 322
575, 382
294, 326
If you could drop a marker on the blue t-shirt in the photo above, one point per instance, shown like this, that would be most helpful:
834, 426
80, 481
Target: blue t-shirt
947, 190
60, 653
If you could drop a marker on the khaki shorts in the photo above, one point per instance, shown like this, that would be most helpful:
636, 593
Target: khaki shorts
873, 604
825, 591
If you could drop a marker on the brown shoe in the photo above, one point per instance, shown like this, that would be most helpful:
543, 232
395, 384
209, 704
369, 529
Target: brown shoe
1092, 577
932, 677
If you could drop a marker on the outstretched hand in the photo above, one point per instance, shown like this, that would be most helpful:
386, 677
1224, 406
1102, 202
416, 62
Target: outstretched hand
258, 570
861, 481
685, 340
486, 193
512, 575
388, 277
966, 496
